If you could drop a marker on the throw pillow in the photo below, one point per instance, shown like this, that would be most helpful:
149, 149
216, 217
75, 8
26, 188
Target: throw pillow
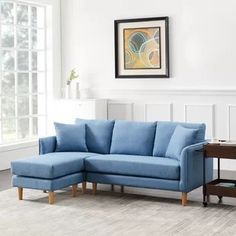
98, 134
132, 137
181, 138
70, 138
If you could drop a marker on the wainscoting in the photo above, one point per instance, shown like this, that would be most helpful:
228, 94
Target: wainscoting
216, 108
147, 111
17, 151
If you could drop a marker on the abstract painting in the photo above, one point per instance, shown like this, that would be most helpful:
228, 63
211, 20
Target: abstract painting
141, 48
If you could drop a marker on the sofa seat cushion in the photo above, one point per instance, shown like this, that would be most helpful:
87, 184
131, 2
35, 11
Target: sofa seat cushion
144, 166
51, 165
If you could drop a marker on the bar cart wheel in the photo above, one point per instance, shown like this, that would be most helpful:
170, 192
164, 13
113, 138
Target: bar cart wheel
220, 198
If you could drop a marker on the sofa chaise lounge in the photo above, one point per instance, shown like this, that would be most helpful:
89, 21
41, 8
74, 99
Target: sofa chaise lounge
158, 155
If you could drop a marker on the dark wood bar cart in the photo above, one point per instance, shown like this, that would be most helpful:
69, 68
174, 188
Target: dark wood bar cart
219, 187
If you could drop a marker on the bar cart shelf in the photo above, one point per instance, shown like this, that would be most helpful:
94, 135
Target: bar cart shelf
219, 187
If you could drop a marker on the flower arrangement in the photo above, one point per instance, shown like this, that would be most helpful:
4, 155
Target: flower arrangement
72, 77
72, 88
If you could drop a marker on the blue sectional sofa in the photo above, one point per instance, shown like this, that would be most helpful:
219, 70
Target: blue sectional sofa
159, 155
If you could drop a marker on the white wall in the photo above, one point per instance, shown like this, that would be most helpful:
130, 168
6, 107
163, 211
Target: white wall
202, 42
202, 85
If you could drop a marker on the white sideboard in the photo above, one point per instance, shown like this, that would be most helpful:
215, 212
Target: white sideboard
66, 110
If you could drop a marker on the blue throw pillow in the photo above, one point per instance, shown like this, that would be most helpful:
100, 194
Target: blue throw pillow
181, 138
98, 134
70, 138
135, 138
165, 130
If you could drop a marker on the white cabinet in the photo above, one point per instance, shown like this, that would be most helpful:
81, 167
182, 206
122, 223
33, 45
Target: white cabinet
66, 110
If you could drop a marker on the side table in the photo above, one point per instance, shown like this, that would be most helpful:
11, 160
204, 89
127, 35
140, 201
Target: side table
219, 187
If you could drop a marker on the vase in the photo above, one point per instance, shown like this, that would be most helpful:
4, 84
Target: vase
72, 90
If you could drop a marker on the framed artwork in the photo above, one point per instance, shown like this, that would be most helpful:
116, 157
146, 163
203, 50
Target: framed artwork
142, 48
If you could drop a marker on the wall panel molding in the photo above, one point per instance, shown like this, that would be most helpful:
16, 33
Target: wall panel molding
158, 111
120, 110
154, 92
201, 113
231, 126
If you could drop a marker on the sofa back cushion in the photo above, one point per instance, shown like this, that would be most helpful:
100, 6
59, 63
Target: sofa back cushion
134, 138
165, 130
98, 134
181, 138
70, 138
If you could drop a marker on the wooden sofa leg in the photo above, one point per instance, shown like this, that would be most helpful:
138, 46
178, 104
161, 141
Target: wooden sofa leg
84, 184
122, 188
94, 188
112, 187
51, 197
74, 190
184, 199
20, 193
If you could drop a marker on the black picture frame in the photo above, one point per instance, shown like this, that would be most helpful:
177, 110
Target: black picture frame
163, 46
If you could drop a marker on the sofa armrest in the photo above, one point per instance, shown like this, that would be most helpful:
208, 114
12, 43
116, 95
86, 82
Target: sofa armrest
191, 167
47, 145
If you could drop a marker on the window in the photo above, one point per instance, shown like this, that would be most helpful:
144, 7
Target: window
22, 71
